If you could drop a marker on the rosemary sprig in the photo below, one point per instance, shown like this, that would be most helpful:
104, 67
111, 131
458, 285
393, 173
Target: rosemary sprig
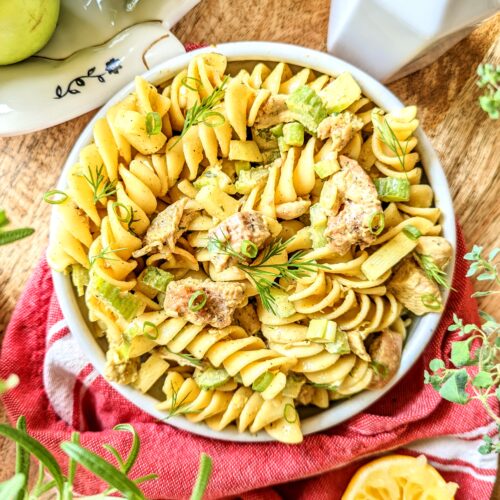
432, 270
389, 138
103, 254
108, 187
9, 236
264, 273
201, 113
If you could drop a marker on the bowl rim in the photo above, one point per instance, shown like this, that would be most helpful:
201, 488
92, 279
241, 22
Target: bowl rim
422, 328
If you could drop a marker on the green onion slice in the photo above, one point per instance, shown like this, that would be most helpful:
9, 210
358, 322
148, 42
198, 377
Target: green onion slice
184, 83
126, 219
152, 333
249, 249
412, 232
290, 413
219, 119
197, 301
431, 301
262, 382
55, 197
376, 223
153, 123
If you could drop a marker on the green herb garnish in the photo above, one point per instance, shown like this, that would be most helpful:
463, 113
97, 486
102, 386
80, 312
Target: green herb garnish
412, 232
101, 187
55, 197
431, 301
153, 123
290, 413
489, 79
263, 274
203, 112
9, 236
197, 301
376, 223
432, 270
129, 217
104, 255
150, 330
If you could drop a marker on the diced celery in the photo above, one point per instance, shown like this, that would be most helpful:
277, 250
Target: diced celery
318, 215
318, 237
240, 165
293, 385
340, 345
156, 278
325, 168
283, 307
215, 177
277, 130
392, 189
307, 107
321, 330
284, 147
211, 378
125, 304
293, 134
262, 382
341, 93
248, 179
80, 278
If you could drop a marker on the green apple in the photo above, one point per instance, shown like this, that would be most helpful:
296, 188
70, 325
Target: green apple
25, 27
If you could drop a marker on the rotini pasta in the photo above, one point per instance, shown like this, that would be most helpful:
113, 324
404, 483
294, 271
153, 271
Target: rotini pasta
251, 243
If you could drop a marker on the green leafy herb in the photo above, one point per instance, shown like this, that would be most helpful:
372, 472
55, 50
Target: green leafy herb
129, 217
197, 301
249, 249
101, 187
390, 139
489, 80
204, 473
179, 407
153, 123
9, 383
479, 347
7, 237
432, 270
263, 273
203, 112
104, 254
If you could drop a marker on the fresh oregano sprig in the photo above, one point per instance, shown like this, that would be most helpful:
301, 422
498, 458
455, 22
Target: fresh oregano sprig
479, 348
489, 80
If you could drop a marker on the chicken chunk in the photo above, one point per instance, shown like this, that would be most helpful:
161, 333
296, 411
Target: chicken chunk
247, 318
340, 128
222, 298
166, 228
358, 204
273, 112
414, 289
250, 226
385, 352
437, 248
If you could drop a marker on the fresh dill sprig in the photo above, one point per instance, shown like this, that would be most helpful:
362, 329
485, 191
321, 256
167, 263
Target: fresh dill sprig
264, 273
202, 112
103, 254
390, 139
101, 187
188, 357
179, 407
433, 271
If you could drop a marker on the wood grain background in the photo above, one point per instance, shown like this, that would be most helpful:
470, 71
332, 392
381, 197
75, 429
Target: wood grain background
445, 92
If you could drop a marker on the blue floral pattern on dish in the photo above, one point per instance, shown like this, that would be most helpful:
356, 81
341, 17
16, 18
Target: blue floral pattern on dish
112, 67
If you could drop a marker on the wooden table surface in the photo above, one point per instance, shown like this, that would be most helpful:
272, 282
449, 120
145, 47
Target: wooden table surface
445, 93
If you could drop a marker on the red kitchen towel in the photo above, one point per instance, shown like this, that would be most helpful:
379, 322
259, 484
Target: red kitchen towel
60, 392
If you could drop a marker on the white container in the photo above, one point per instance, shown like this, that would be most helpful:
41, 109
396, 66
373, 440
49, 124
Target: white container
422, 328
392, 38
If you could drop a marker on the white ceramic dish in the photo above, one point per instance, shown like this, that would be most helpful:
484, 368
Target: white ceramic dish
421, 330
96, 49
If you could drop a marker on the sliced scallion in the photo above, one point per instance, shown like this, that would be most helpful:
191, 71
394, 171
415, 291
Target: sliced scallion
153, 123
392, 189
150, 330
249, 249
412, 232
376, 223
55, 197
197, 301
290, 413
262, 382
431, 301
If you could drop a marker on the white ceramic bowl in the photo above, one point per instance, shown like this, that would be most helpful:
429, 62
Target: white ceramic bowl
422, 329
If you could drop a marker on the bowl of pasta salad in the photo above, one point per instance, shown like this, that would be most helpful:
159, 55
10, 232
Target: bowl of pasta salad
252, 241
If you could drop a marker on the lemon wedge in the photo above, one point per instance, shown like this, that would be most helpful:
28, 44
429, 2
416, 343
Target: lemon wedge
399, 477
